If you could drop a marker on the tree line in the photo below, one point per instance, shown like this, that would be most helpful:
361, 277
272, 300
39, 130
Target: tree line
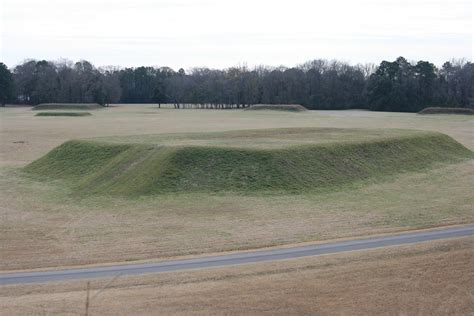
319, 84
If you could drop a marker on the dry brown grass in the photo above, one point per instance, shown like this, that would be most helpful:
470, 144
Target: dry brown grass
433, 278
43, 226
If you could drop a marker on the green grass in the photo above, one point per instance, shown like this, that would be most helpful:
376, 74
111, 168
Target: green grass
441, 110
67, 106
278, 107
63, 114
202, 164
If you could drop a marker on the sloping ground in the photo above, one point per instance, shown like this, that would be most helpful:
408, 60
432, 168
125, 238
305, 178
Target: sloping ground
202, 166
440, 110
278, 107
67, 106
63, 114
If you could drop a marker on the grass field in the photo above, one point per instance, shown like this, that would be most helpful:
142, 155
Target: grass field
432, 278
44, 224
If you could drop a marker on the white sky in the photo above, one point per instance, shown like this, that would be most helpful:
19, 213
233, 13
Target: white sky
223, 33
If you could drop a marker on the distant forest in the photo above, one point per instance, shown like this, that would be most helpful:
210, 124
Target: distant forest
319, 84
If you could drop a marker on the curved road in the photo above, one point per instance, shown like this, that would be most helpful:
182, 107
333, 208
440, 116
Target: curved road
233, 259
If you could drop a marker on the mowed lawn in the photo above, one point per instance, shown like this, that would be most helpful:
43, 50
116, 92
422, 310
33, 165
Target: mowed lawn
43, 225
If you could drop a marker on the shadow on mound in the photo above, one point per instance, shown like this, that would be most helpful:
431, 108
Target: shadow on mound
93, 167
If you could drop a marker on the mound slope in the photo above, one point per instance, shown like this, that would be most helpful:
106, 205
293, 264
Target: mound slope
153, 167
63, 114
278, 107
438, 110
67, 106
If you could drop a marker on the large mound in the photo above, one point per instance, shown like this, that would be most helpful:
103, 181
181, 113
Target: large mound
278, 107
157, 165
437, 110
68, 106
63, 114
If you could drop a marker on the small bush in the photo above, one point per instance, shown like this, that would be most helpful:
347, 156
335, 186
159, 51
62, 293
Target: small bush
439, 110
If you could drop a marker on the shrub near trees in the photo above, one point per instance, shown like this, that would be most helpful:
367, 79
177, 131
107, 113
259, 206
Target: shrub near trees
319, 84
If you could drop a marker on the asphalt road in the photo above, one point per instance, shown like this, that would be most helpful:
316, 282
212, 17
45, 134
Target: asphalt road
232, 259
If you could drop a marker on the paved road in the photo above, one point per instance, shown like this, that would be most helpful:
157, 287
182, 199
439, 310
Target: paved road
232, 259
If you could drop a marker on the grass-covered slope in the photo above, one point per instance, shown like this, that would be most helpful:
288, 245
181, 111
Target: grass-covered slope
150, 168
278, 107
441, 110
67, 106
63, 114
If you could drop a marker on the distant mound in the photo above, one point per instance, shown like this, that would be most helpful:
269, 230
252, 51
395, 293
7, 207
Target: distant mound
278, 107
439, 110
63, 114
68, 106
249, 162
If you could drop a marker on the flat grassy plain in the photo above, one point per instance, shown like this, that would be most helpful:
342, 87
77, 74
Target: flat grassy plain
45, 225
433, 278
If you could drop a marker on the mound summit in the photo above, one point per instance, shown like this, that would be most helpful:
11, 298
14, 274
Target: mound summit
288, 160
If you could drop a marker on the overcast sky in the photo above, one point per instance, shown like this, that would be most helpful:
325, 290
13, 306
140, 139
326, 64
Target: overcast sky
223, 33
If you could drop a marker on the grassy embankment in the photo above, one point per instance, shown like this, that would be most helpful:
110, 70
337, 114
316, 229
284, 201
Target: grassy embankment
441, 110
278, 107
248, 162
67, 106
63, 114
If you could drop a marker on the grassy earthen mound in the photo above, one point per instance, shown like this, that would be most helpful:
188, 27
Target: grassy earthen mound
63, 114
67, 106
278, 107
440, 110
248, 162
